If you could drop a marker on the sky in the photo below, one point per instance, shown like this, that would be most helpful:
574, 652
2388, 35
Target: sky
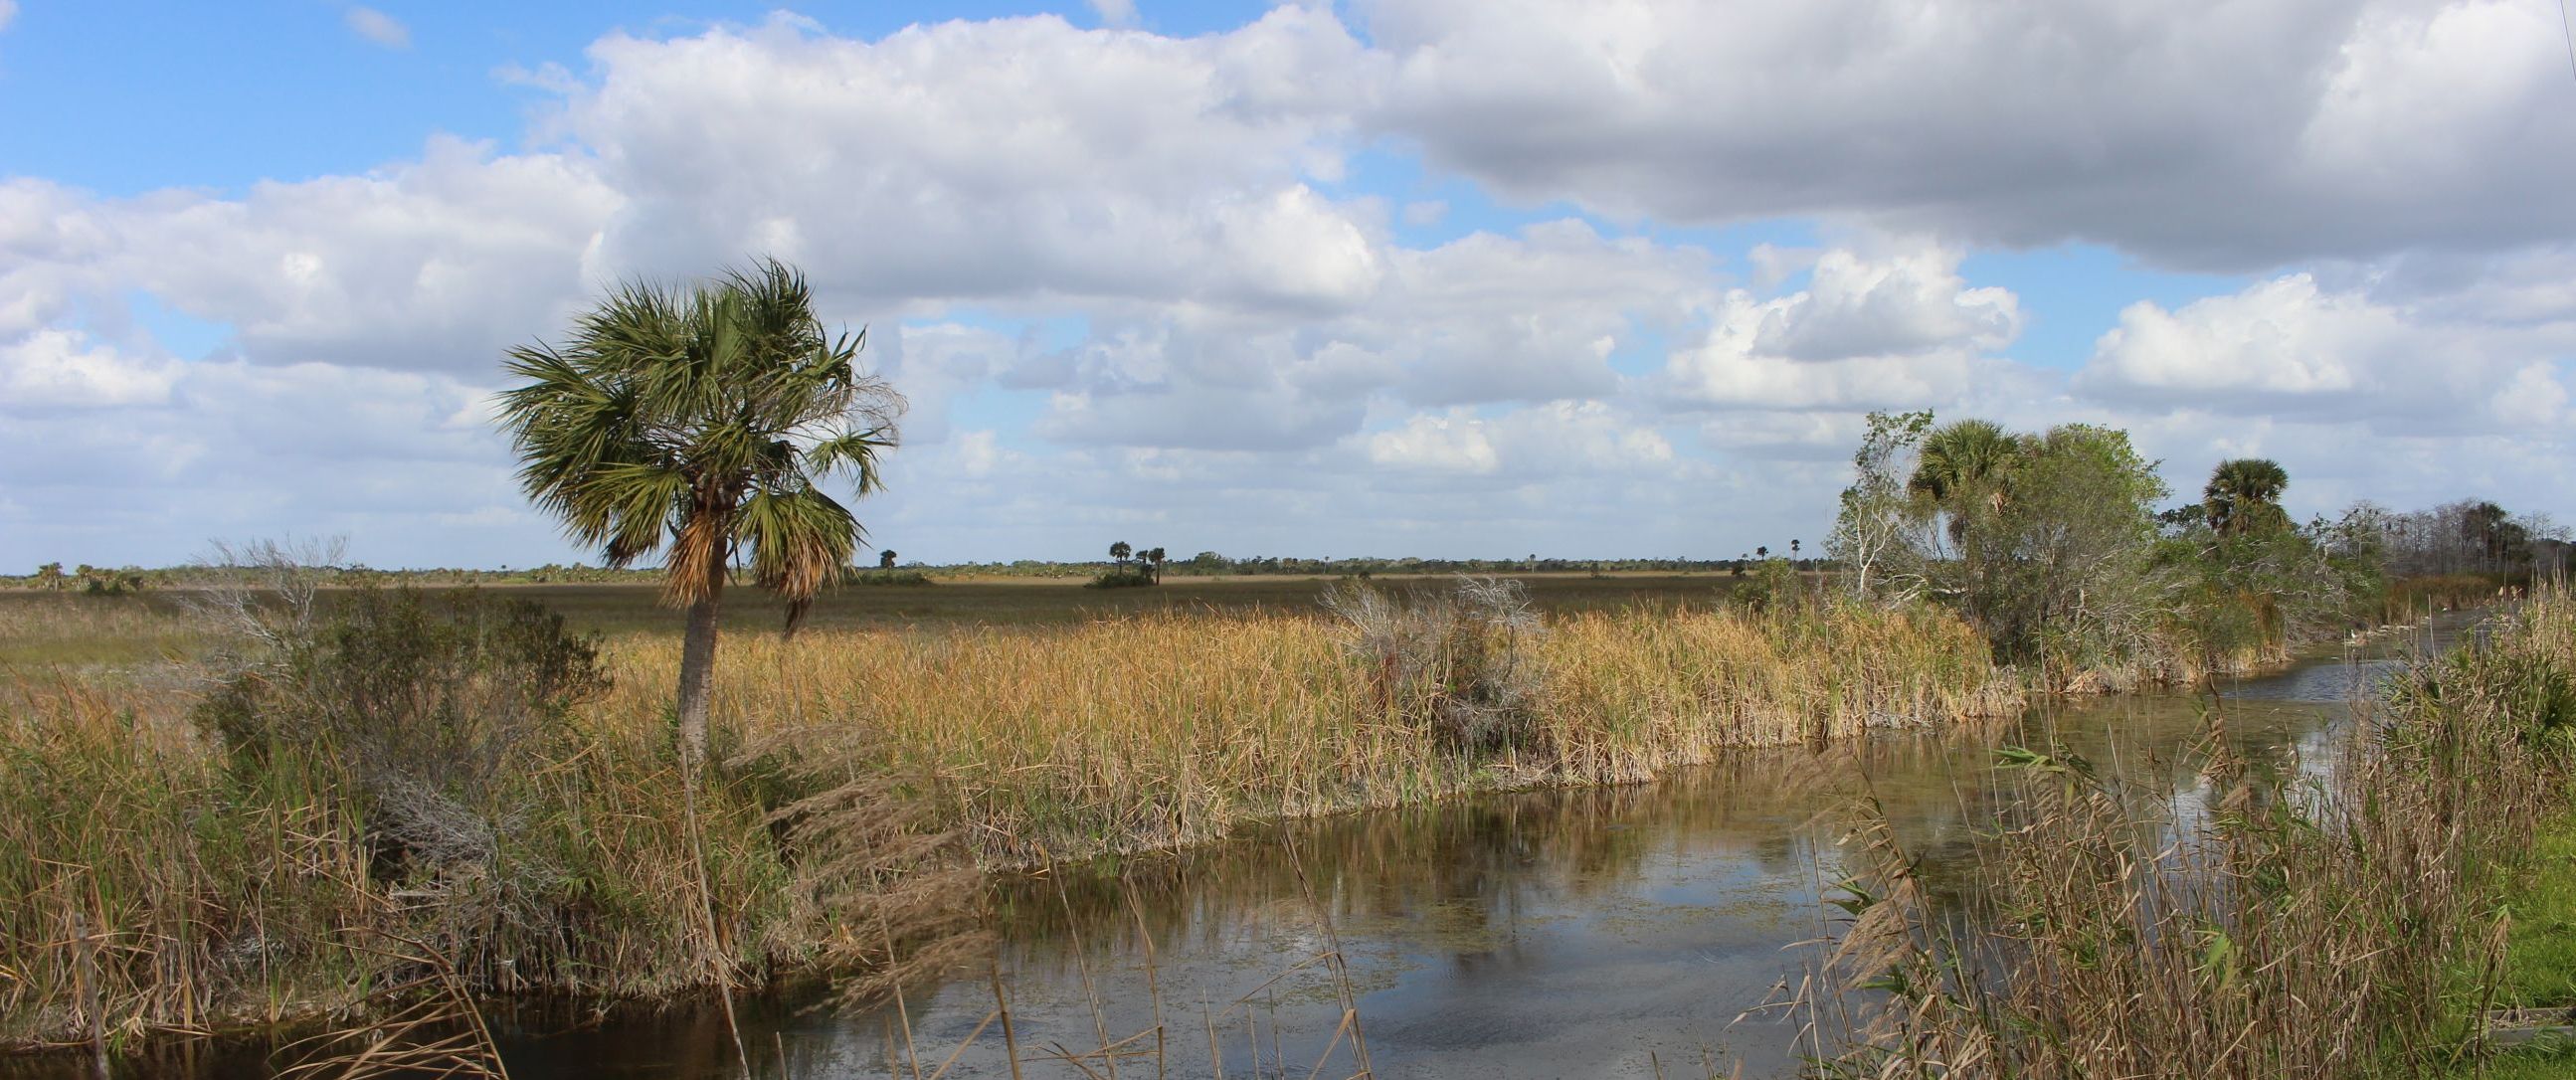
1463, 278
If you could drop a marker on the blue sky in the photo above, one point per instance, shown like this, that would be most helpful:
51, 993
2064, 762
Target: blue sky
1388, 276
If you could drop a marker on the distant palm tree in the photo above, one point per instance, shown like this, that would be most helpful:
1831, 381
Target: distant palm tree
1762, 552
1120, 551
2244, 495
50, 575
885, 559
1965, 466
704, 420
1793, 550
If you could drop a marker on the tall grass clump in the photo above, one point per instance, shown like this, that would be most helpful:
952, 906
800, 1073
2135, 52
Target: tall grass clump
2263, 926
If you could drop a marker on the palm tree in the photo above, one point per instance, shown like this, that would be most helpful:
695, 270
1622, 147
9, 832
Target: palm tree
704, 421
1964, 466
1120, 551
885, 559
50, 575
1762, 552
2244, 495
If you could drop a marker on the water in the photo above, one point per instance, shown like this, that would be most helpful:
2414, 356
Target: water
1578, 933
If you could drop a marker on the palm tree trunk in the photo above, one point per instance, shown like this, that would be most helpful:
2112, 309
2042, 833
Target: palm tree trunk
697, 670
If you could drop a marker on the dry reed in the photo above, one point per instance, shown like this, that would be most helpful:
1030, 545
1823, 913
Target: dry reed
2267, 925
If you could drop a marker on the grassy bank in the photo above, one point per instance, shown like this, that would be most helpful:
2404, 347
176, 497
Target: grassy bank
2345, 924
358, 802
1160, 730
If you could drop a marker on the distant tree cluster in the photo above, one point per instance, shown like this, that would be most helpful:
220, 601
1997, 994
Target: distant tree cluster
1134, 567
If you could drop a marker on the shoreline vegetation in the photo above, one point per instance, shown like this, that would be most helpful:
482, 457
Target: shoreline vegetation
204, 887
2364, 921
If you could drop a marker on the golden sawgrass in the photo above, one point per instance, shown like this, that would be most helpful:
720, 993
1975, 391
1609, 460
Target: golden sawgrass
1156, 730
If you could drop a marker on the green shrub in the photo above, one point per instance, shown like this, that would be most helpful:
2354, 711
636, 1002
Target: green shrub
432, 710
1123, 579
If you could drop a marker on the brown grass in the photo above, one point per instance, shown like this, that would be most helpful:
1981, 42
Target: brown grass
2266, 926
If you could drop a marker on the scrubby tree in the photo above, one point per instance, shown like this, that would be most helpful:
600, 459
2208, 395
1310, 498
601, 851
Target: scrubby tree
1878, 513
703, 422
2060, 571
885, 559
50, 575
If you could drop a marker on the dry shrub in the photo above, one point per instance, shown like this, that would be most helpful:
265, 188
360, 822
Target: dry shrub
1456, 660
889, 888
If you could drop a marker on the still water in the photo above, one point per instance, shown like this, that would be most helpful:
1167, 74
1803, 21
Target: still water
1566, 933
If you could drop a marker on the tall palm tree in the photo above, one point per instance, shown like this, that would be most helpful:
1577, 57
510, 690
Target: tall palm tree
1120, 551
1964, 466
703, 421
2244, 495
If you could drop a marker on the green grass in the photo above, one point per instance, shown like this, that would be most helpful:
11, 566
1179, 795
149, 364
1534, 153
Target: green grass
2540, 952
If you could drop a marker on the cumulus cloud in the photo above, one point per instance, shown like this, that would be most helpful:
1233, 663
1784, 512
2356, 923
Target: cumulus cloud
992, 159
2287, 346
1896, 329
2207, 133
378, 27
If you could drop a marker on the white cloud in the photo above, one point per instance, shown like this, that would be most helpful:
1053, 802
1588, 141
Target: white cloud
1897, 328
1455, 442
2288, 346
993, 159
63, 369
2205, 132
1115, 12
378, 27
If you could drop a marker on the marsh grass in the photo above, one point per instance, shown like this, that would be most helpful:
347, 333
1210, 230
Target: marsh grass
2269, 924
1159, 730
163, 880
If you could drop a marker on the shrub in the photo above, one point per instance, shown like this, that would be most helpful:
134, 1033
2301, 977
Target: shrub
889, 577
1456, 660
1774, 587
1123, 579
430, 709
